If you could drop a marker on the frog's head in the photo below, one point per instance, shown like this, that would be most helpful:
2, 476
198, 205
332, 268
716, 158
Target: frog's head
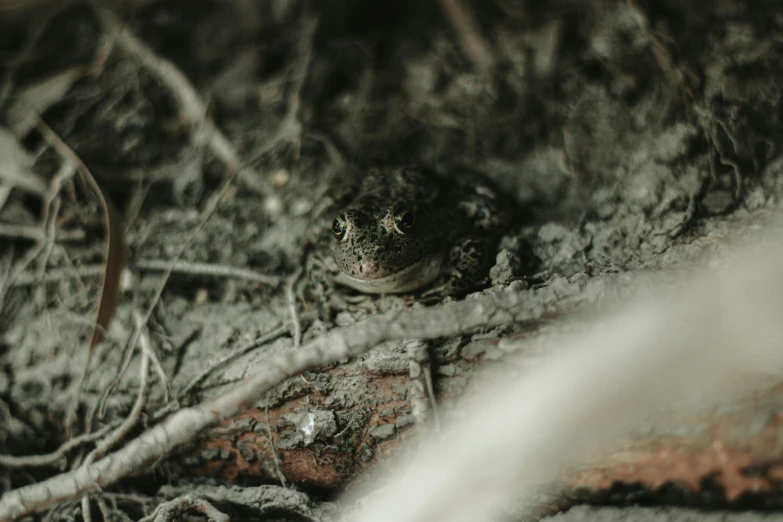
387, 248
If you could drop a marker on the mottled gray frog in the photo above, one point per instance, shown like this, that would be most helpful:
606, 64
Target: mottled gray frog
408, 230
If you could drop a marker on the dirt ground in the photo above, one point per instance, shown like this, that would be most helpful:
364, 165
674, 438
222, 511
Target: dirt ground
633, 136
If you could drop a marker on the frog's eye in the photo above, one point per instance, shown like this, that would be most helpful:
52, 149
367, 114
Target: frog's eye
340, 228
404, 222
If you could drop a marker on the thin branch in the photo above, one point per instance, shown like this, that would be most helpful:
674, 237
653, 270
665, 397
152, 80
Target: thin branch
50, 230
174, 509
86, 515
103, 507
293, 312
207, 269
272, 444
57, 275
149, 351
468, 34
151, 265
36, 234
234, 354
421, 396
141, 399
49, 459
47, 236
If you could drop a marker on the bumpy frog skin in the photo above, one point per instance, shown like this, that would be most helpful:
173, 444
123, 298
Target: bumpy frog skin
400, 230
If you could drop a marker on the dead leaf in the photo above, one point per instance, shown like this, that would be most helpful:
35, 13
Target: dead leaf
115, 254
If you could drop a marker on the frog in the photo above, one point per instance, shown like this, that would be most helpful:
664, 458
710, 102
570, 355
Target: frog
408, 230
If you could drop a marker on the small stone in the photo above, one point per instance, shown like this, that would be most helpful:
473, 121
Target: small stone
387, 359
273, 206
261, 428
247, 452
210, 453
404, 421
493, 354
447, 351
311, 425
447, 370
288, 440
300, 207
365, 454
755, 199
280, 178
507, 266
382, 431
518, 286
227, 455
202, 296
717, 201
550, 232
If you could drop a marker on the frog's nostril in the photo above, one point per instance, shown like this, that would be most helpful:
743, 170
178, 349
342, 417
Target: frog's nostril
368, 265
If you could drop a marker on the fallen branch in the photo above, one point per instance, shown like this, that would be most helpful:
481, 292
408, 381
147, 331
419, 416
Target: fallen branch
454, 318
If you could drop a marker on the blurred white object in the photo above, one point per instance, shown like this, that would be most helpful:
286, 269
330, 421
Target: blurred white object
719, 336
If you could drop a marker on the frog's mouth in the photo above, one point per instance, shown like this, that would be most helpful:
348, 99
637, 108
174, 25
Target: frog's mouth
412, 277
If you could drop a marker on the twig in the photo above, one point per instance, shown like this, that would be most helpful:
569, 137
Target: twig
105, 511
293, 312
50, 230
209, 209
5, 274
130, 346
36, 234
86, 515
272, 444
174, 509
238, 352
30, 461
146, 347
133, 417
46, 235
421, 395
207, 269
151, 265
470, 39
66, 172
51, 211
21, 265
